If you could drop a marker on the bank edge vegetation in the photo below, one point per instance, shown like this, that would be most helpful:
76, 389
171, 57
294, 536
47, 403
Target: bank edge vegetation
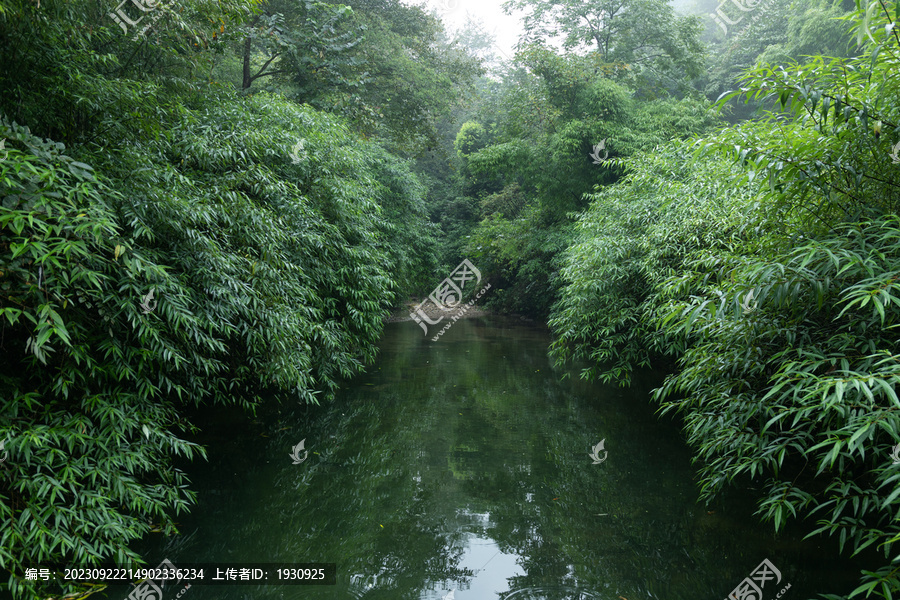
764, 262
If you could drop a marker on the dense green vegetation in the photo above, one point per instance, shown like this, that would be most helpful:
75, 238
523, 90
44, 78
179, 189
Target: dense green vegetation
527, 171
211, 204
265, 240
763, 261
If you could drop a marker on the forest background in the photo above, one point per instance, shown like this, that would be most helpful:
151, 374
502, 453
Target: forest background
209, 203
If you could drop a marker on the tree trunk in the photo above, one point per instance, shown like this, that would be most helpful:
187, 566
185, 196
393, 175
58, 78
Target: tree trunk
247, 81
248, 43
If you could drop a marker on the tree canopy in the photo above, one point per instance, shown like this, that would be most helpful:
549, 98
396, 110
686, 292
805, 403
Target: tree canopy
644, 37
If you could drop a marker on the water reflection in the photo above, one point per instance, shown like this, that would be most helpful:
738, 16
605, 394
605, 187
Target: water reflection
463, 466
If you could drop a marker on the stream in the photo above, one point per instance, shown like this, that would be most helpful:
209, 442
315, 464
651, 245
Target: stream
460, 470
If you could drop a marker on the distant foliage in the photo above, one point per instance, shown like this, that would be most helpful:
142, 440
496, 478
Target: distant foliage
777, 32
650, 44
471, 137
542, 149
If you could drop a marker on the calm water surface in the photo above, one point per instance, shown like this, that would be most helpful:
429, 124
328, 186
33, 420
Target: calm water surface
462, 466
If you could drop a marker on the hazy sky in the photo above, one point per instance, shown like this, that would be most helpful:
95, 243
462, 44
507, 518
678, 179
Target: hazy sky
506, 29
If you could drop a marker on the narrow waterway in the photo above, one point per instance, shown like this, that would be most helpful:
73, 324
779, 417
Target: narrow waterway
463, 466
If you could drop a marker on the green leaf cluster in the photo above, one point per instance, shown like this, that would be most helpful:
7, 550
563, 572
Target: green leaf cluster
652, 45
633, 238
167, 245
763, 263
536, 168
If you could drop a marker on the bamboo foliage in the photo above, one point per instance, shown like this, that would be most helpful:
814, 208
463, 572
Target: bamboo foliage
798, 386
764, 262
269, 275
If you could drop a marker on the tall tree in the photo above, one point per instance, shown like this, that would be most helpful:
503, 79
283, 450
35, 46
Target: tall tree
645, 36
303, 41
385, 66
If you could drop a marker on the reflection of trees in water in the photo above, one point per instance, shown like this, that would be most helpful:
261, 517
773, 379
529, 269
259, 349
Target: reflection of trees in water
550, 593
475, 435
512, 454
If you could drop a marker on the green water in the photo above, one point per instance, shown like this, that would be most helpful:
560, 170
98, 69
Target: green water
462, 465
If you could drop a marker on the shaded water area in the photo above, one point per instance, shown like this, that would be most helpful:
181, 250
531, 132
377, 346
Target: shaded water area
462, 466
